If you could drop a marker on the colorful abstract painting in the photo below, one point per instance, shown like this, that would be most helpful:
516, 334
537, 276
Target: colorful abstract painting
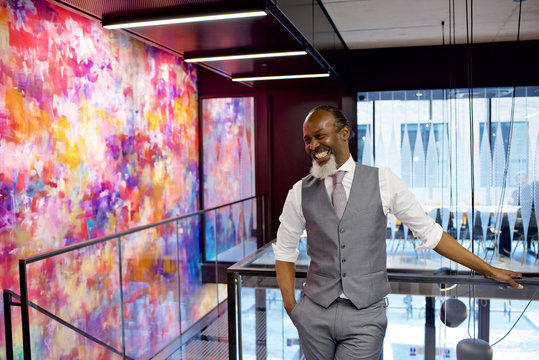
228, 143
98, 134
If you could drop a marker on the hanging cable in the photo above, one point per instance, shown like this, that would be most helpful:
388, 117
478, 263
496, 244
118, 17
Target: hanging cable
499, 214
512, 119
469, 43
516, 321
451, 120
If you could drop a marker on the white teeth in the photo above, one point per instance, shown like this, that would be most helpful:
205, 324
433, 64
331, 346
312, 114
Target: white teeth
321, 154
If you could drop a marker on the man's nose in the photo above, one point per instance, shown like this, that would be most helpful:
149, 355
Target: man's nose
313, 145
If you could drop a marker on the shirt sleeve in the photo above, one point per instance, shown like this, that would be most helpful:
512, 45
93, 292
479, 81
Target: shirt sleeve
398, 200
291, 227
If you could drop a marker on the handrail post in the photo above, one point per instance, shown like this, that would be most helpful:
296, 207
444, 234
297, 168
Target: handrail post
238, 314
7, 325
121, 295
25, 315
232, 326
264, 237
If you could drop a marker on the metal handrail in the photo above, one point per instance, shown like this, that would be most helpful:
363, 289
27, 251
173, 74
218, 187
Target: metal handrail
23, 297
462, 277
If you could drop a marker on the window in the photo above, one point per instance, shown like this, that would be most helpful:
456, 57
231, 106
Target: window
450, 158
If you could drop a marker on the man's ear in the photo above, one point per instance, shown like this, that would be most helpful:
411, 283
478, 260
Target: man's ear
345, 133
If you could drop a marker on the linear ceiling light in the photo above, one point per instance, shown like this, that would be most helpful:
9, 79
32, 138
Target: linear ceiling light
247, 56
281, 77
185, 19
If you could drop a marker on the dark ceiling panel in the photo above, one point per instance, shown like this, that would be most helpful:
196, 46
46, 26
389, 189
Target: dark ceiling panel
268, 67
270, 33
251, 33
100, 8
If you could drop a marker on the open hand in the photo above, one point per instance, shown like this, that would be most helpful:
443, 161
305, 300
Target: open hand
506, 276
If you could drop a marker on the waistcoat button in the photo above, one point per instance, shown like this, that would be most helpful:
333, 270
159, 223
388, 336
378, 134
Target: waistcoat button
342, 230
343, 246
343, 260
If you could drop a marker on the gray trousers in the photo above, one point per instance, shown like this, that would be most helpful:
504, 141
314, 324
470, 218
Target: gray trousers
341, 331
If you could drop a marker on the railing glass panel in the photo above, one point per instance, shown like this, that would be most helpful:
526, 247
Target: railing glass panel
428, 314
198, 297
150, 279
415, 322
61, 342
231, 232
139, 293
82, 288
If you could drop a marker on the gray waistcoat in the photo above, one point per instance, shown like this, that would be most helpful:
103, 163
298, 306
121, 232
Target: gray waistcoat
348, 255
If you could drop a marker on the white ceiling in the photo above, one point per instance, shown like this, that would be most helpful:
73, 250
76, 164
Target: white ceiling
365, 24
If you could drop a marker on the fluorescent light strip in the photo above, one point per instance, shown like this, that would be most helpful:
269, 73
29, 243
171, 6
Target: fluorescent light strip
247, 56
281, 77
182, 20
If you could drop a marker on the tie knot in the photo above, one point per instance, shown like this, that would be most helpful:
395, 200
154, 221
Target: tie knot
338, 176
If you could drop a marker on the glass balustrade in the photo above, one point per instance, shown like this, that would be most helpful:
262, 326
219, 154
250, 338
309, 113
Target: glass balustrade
429, 312
135, 294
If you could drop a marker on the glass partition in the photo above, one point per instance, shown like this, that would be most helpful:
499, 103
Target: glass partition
233, 231
228, 175
151, 295
428, 314
60, 342
198, 297
136, 294
81, 288
469, 156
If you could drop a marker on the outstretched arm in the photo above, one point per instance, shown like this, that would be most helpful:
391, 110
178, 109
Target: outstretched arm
286, 277
452, 250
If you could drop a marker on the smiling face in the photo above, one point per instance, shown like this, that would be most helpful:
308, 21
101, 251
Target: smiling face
322, 138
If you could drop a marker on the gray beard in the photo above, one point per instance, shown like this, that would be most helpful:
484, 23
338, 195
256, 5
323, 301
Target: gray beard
322, 171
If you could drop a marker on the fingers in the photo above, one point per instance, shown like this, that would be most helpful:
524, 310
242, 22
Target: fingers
507, 276
514, 284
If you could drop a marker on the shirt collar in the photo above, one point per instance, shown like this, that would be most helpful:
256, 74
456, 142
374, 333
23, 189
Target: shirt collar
348, 166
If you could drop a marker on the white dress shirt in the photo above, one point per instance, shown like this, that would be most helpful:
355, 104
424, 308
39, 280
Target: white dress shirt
396, 198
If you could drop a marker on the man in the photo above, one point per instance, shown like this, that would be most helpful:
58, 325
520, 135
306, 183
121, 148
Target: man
342, 315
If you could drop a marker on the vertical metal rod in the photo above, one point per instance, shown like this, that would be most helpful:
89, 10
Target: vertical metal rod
8, 326
238, 312
232, 326
430, 330
121, 294
264, 237
247, 236
25, 315
201, 174
373, 133
216, 261
484, 319
179, 279
260, 228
